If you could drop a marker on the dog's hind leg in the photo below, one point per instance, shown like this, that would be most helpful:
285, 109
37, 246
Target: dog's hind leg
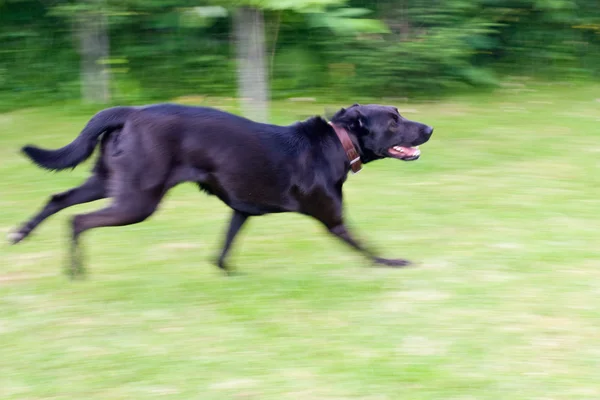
127, 208
237, 220
93, 189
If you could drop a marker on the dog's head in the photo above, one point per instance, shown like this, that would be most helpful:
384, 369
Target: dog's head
380, 132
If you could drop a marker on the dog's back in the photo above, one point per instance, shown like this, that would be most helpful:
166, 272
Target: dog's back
241, 161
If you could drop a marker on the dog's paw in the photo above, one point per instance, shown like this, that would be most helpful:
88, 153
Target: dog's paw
15, 237
75, 270
234, 274
395, 263
225, 268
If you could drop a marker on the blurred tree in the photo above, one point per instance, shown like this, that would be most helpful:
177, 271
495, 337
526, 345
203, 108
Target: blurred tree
251, 49
88, 20
251, 54
92, 30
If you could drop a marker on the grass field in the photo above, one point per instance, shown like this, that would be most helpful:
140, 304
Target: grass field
500, 214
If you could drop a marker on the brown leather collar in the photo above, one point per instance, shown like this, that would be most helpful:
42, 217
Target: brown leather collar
351, 153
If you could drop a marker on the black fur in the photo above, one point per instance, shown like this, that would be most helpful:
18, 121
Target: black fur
83, 146
252, 167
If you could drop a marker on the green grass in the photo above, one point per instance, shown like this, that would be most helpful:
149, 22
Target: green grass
500, 214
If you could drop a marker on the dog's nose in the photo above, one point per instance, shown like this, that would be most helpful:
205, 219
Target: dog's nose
428, 130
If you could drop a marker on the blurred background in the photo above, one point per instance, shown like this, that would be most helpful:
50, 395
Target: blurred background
135, 51
500, 213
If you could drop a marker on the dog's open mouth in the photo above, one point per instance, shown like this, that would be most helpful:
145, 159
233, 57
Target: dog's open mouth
405, 153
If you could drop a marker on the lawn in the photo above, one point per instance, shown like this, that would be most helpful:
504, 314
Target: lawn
500, 215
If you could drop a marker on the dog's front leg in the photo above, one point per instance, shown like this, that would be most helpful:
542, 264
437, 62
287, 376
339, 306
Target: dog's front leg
341, 232
328, 209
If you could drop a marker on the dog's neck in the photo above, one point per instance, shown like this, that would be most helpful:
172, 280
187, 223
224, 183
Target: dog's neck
349, 149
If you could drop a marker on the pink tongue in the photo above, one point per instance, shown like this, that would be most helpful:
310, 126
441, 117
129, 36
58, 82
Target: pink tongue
410, 151
405, 151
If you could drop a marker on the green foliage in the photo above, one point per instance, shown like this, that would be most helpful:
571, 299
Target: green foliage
169, 48
439, 59
293, 5
343, 21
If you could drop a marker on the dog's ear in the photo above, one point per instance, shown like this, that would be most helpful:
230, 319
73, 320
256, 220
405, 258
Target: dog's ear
335, 115
355, 118
341, 111
351, 117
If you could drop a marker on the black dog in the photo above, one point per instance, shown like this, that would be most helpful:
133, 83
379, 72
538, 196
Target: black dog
254, 168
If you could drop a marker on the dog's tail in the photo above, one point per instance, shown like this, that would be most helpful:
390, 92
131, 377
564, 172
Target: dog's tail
83, 146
